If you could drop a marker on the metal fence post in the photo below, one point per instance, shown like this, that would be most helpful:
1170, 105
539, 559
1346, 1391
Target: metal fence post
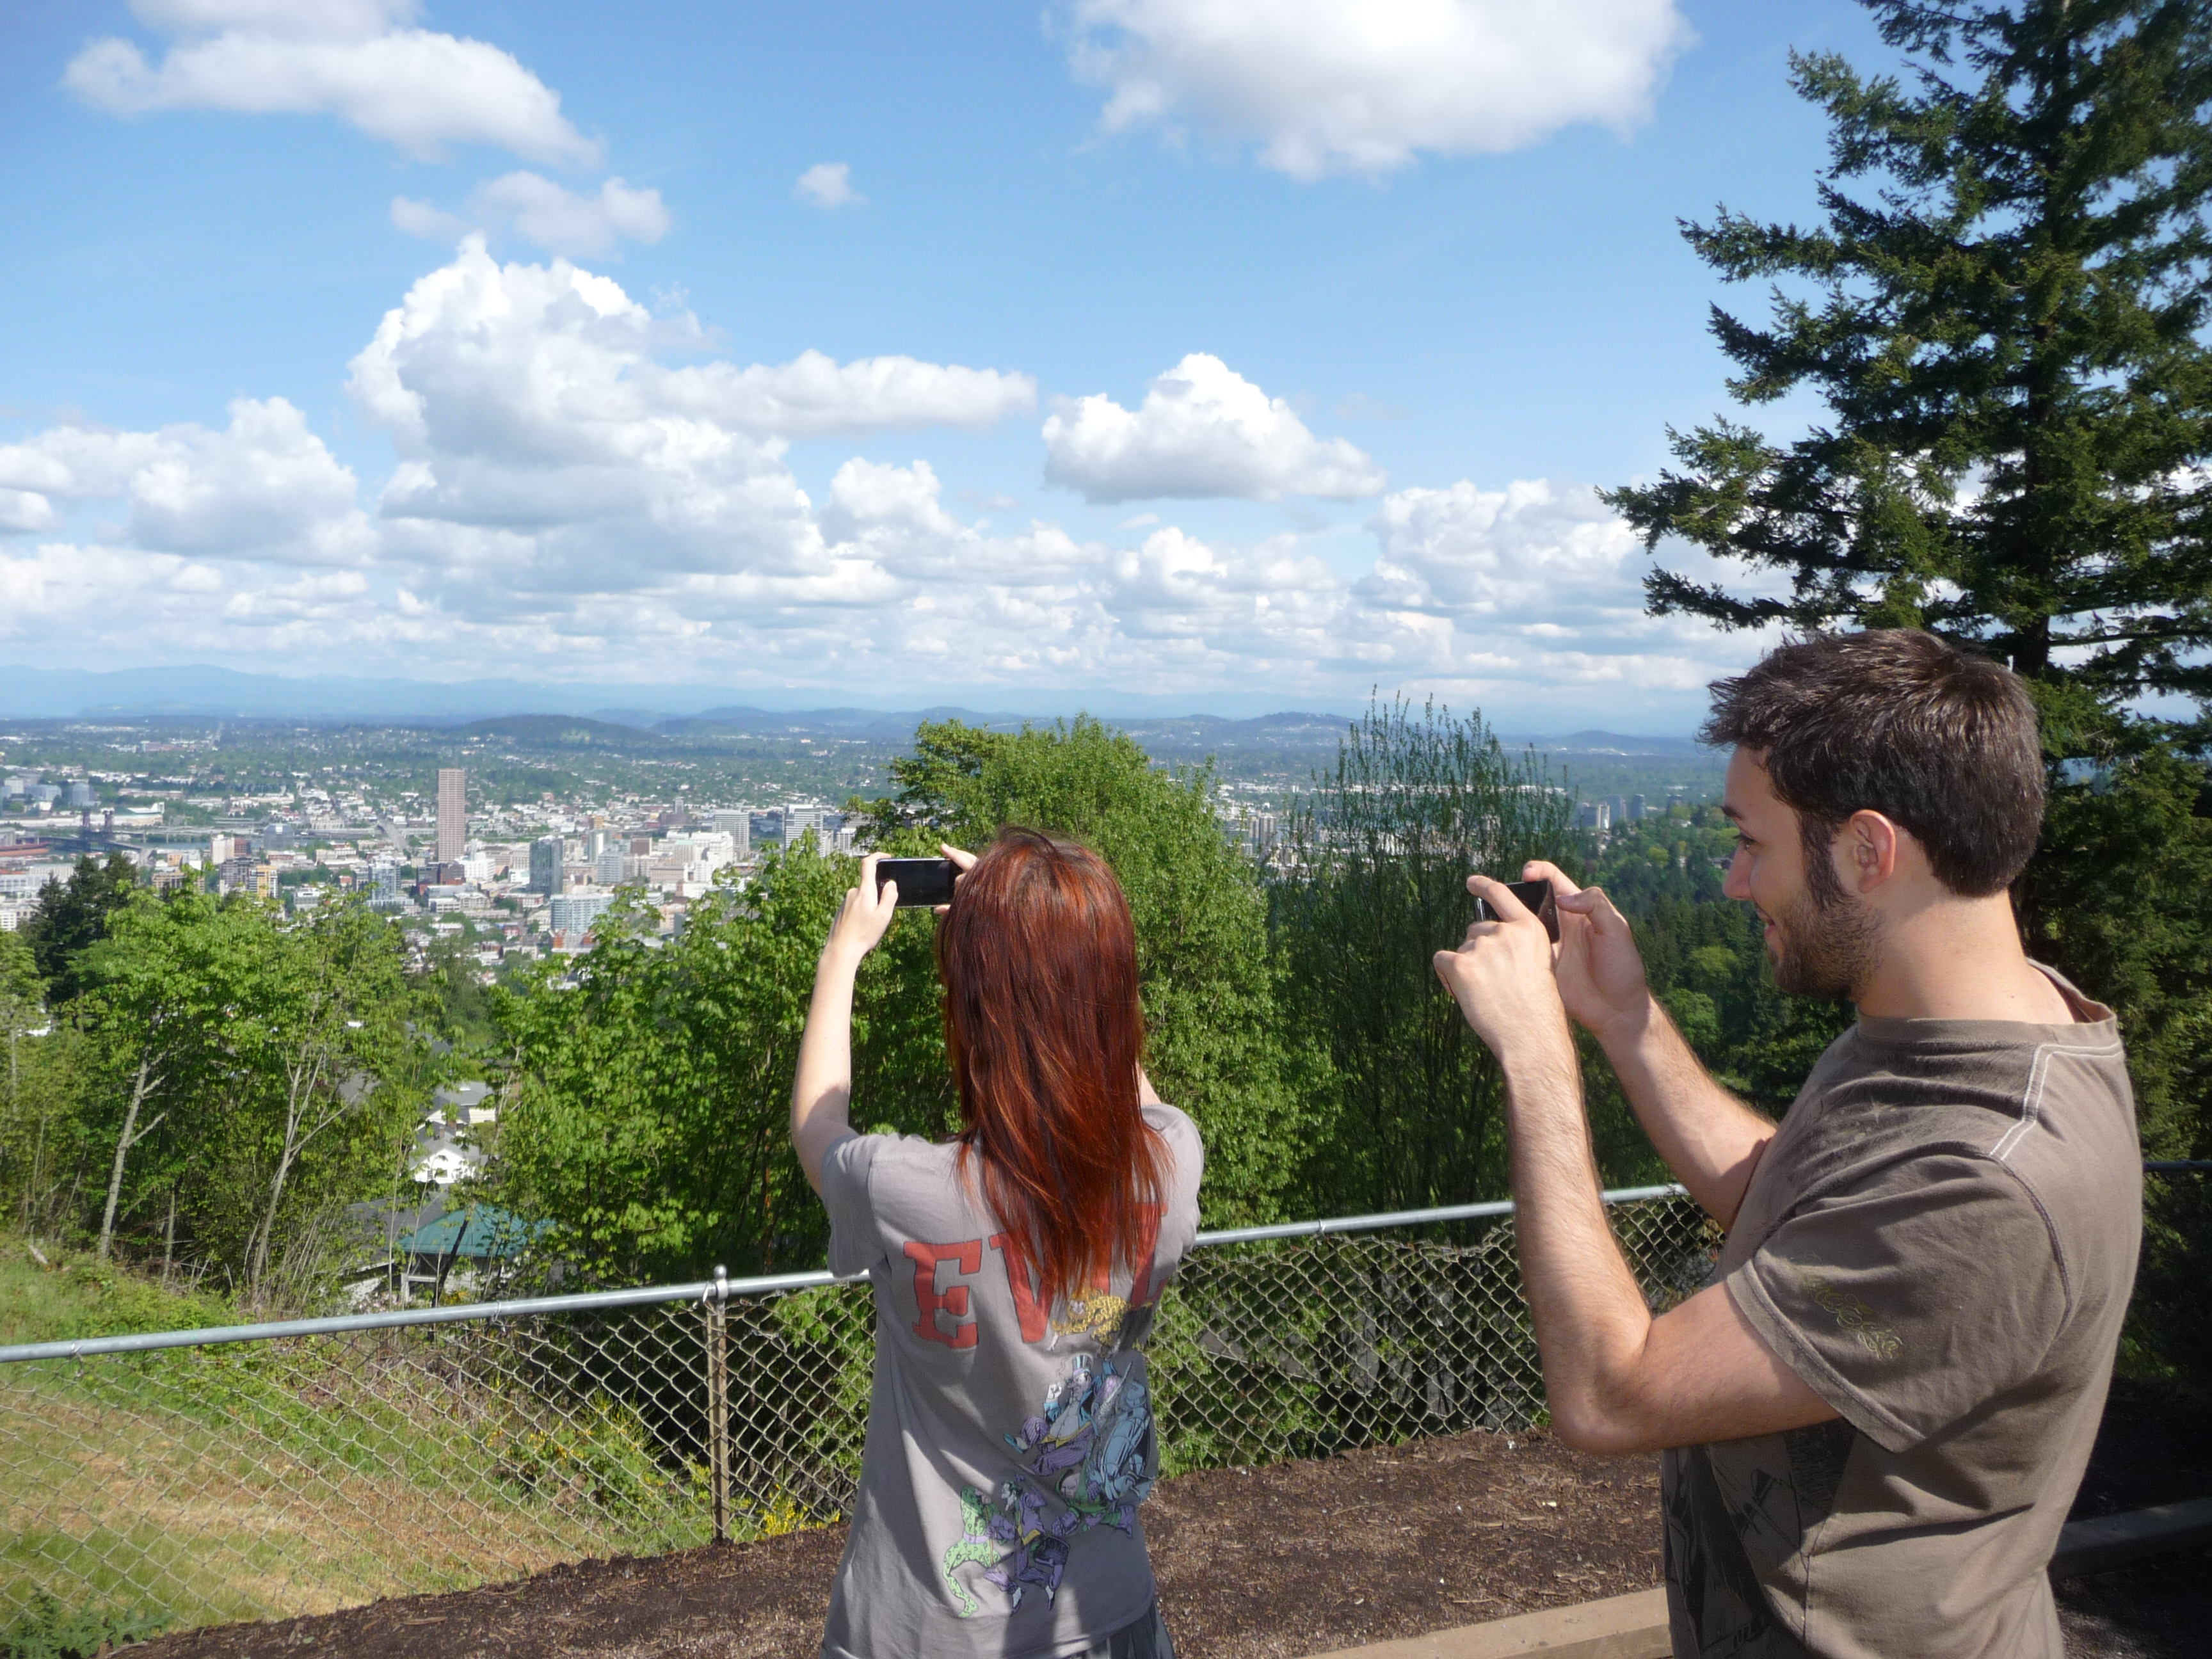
717, 1400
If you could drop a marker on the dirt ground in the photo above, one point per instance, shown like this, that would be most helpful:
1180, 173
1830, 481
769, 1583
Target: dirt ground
1291, 1560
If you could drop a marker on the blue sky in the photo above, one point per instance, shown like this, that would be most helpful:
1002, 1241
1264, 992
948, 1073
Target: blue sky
1227, 352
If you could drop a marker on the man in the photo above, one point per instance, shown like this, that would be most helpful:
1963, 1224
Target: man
1877, 1416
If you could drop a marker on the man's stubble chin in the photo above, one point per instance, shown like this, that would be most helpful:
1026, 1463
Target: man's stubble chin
1828, 952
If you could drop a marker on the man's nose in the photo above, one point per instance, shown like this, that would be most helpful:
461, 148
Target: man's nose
1738, 884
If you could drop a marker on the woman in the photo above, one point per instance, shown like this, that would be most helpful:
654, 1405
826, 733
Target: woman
1016, 1268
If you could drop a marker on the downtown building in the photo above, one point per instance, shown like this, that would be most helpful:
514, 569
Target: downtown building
453, 813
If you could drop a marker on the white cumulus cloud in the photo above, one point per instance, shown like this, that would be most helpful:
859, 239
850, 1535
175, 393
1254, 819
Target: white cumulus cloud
1365, 86
545, 444
555, 360
432, 223
263, 488
358, 60
1538, 552
24, 510
559, 220
829, 185
1203, 430
534, 208
577, 496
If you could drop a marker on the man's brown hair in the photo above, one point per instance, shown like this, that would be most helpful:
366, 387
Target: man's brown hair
1940, 741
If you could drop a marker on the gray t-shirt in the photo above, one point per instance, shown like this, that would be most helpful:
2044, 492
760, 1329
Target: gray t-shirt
1009, 1443
1940, 1240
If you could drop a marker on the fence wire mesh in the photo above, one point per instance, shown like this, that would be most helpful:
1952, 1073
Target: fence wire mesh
303, 1473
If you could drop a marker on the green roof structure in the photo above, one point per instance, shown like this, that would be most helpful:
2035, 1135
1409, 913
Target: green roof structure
482, 1232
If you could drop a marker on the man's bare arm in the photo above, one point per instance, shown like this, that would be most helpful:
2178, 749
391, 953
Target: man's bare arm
1710, 1140
1617, 1380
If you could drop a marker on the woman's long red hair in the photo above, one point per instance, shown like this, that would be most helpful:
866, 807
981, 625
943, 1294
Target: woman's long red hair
1042, 1022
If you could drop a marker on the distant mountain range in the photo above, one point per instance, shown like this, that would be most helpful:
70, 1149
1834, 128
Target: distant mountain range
621, 713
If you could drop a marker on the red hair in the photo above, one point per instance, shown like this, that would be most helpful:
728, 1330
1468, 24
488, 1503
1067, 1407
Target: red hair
1042, 1022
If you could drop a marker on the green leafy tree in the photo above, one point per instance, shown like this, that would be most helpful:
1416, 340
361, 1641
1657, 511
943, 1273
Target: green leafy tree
319, 1038
154, 1007
646, 1105
1217, 1043
22, 998
40, 1128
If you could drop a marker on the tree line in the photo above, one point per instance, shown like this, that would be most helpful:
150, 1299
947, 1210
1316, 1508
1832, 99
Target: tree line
204, 1081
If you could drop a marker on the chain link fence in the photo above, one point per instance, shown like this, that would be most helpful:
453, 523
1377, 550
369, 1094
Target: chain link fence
203, 1476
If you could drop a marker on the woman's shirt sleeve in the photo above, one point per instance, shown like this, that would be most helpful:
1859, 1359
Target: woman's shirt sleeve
855, 1241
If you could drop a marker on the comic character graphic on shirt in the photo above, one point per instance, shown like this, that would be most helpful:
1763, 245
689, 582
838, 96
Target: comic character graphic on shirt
1086, 1449
974, 1545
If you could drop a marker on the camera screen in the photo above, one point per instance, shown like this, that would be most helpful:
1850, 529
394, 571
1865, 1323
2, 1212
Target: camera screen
921, 881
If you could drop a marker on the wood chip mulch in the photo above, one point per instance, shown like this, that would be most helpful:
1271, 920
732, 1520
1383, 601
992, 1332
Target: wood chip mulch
1289, 1559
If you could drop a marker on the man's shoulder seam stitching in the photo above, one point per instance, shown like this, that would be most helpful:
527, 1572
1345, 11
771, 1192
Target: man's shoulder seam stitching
2038, 1078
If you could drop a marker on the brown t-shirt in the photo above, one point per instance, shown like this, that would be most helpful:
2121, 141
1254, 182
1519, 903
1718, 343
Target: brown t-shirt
1940, 1240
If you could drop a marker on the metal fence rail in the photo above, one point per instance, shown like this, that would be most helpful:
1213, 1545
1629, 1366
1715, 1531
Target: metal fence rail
190, 1477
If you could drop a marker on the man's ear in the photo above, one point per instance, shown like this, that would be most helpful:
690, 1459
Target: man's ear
1866, 851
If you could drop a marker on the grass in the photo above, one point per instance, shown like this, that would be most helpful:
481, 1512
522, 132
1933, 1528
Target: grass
82, 1297
255, 1481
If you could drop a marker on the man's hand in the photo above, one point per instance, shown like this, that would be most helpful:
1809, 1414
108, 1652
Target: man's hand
1501, 976
1600, 972
1710, 1139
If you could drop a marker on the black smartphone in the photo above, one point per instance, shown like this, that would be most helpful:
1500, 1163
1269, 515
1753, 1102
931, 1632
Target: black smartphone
1534, 895
921, 881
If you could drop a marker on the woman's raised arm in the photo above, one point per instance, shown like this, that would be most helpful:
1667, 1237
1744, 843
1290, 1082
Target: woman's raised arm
821, 1093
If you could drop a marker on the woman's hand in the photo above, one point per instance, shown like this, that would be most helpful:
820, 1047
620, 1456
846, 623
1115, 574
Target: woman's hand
822, 1088
963, 862
863, 919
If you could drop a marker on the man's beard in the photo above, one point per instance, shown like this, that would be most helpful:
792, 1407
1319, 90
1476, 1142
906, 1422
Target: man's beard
1826, 951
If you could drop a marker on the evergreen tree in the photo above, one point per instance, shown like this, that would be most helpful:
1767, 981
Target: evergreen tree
2006, 332
73, 916
2004, 312
2005, 326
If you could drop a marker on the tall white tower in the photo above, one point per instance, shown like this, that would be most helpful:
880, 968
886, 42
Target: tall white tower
453, 813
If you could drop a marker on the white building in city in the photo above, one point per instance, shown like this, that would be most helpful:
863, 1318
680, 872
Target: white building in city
573, 913
453, 813
736, 823
804, 817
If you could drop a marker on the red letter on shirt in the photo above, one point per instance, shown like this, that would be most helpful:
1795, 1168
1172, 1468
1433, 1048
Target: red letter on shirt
1032, 1310
954, 1300
1017, 1280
